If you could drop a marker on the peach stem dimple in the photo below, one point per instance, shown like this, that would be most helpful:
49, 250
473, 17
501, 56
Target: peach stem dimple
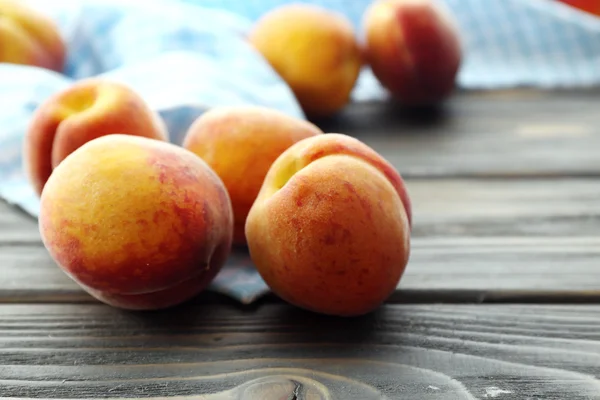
287, 171
77, 102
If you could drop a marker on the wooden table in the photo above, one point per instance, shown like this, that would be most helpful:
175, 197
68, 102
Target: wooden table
499, 301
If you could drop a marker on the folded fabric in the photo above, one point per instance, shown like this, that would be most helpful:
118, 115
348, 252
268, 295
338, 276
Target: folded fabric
186, 56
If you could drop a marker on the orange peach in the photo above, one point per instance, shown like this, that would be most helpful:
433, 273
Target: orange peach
590, 6
330, 229
84, 111
138, 223
314, 50
28, 37
413, 48
240, 143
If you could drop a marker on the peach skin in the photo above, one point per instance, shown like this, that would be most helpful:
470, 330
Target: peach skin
330, 229
138, 223
413, 48
240, 143
28, 37
590, 6
84, 111
315, 51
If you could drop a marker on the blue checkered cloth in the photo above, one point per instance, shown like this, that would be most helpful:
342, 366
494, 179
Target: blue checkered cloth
507, 43
186, 56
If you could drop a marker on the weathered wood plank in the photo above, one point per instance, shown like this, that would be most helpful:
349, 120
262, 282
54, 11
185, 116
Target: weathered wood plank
474, 240
489, 134
219, 352
17, 227
497, 208
439, 270
452, 208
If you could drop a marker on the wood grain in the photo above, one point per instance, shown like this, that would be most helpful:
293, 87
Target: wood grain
474, 240
439, 270
527, 133
279, 352
451, 208
505, 208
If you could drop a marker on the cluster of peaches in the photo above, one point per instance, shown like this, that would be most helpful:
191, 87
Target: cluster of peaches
142, 223
412, 47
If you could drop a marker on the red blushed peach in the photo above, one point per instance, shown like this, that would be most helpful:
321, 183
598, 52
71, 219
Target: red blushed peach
330, 228
84, 111
315, 51
590, 6
28, 37
138, 223
240, 144
413, 48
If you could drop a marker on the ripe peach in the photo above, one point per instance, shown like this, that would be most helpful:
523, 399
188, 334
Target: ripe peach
330, 229
413, 48
138, 223
240, 143
28, 37
84, 111
314, 50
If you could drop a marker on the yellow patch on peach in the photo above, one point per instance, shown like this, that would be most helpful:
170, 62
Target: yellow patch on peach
240, 143
315, 51
130, 219
329, 232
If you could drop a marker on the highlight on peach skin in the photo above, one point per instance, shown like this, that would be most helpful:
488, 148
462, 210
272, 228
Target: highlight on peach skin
27, 37
240, 143
138, 223
413, 48
84, 111
330, 229
315, 51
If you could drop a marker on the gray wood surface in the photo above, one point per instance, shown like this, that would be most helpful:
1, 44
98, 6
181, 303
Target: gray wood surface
272, 352
506, 195
518, 133
474, 240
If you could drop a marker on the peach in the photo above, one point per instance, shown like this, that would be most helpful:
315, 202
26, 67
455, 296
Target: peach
590, 6
330, 229
28, 37
314, 50
138, 223
84, 111
240, 143
413, 48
